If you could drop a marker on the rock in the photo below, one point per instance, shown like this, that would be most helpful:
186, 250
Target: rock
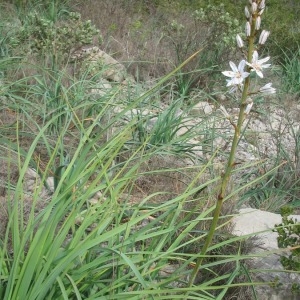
200, 108
102, 88
250, 221
50, 183
111, 69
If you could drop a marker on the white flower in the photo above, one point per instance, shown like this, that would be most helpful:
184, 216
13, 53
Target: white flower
263, 37
258, 64
239, 41
267, 89
248, 29
237, 74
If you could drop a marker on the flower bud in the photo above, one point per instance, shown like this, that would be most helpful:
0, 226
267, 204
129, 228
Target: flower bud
239, 41
248, 108
253, 7
248, 29
247, 12
263, 37
257, 22
267, 89
262, 4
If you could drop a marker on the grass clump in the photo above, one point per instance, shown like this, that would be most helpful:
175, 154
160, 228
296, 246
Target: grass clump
291, 70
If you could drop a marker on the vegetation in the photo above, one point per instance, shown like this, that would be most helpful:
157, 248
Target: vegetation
103, 194
289, 237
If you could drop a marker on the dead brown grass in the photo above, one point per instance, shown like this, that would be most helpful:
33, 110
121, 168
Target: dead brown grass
145, 38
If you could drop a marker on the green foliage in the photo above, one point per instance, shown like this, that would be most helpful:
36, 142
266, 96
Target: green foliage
284, 22
164, 130
211, 28
290, 63
289, 237
223, 27
79, 248
77, 245
44, 36
280, 185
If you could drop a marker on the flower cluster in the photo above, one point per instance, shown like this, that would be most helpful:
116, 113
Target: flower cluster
237, 75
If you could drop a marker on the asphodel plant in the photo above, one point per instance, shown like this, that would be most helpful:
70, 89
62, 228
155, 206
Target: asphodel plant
238, 81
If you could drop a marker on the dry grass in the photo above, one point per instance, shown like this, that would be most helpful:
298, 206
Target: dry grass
145, 38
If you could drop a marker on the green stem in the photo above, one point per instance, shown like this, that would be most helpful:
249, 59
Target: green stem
230, 163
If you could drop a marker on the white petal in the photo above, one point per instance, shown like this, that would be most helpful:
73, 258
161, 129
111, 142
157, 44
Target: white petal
266, 86
245, 74
229, 83
228, 73
233, 66
263, 60
241, 66
259, 73
265, 66
255, 56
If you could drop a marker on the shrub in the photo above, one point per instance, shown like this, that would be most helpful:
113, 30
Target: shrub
44, 37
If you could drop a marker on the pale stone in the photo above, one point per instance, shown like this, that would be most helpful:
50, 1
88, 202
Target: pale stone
112, 69
261, 223
200, 108
50, 183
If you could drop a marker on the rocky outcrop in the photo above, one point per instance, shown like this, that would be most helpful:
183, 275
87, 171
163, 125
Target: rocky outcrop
267, 256
98, 60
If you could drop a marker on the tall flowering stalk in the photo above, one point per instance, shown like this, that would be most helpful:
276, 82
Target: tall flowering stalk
239, 83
